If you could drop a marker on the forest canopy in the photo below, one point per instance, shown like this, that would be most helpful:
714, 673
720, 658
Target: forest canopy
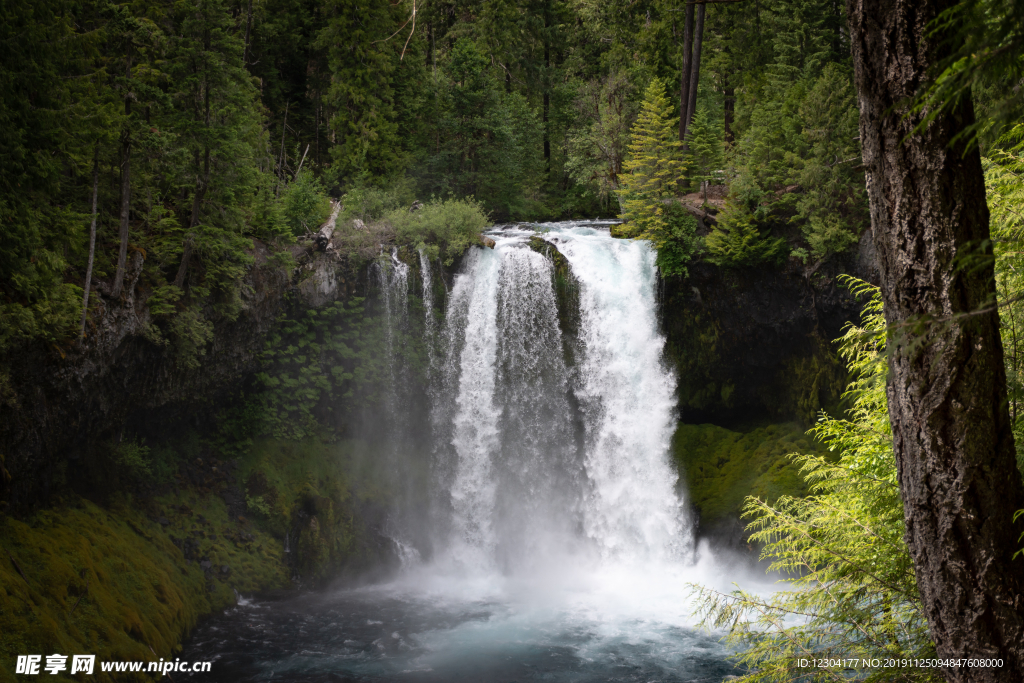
200, 126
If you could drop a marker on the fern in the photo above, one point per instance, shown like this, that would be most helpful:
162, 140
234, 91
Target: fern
852, 592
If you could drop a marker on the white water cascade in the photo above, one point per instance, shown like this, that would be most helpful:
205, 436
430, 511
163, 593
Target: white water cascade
552, 464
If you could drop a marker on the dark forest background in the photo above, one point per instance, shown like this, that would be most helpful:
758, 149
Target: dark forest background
184, 130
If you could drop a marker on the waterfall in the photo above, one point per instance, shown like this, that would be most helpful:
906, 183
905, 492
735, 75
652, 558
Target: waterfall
475, 436
393, 428
428, 295
392, 277
536, 516
627, 396
520, 486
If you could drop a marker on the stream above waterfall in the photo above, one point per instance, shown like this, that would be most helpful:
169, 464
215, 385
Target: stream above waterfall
557, 545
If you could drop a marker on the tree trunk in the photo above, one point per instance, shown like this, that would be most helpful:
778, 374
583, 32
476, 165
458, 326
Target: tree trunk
947, 384
126, 189
698, 38
248, 29
546, 84
202, 182
684, 76
197, 201
730, 111
92, 240
280, 158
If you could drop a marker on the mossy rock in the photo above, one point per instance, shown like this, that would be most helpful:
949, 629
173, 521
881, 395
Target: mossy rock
320, 491
567, 293
721, 467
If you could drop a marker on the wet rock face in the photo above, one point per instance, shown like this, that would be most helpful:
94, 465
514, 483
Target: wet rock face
65, 403
757, 343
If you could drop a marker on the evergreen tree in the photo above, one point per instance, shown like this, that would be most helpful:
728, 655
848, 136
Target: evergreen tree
653, 168
705, 150
363, 60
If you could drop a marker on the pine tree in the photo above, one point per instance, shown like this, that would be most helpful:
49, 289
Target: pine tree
653, 168
705, 149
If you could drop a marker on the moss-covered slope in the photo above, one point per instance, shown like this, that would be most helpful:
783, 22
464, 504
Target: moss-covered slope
126, 580
720, 467
80, 579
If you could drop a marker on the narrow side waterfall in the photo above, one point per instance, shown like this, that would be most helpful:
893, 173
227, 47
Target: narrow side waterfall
475, 435
392, 277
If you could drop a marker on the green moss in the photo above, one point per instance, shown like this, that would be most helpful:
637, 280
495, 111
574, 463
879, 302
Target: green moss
113, 583
807, 385
695, 348
135, 572
314, 491
567, 292
720, 467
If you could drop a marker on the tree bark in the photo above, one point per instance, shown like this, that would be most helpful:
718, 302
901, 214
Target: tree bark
684, 76
947, 386
92, 240
547, 85
248, 28
698, 39
730, 111
126, 189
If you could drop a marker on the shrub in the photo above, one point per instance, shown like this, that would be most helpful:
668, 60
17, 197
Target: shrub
306, 205
679, 243
134, 459
736, 240
445, 228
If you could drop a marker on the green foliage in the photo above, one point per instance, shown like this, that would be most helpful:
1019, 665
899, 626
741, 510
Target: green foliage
524, 107
314, 356
191, 333
653, 168
984, 40
833, 203
257, 505
370, 203
596, 145
132, 457
705, 145
1004, 180
853, 592
362, 90
722, 467
488, 141
306, 205
736, 241
800, 148
681, 244
446, 228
